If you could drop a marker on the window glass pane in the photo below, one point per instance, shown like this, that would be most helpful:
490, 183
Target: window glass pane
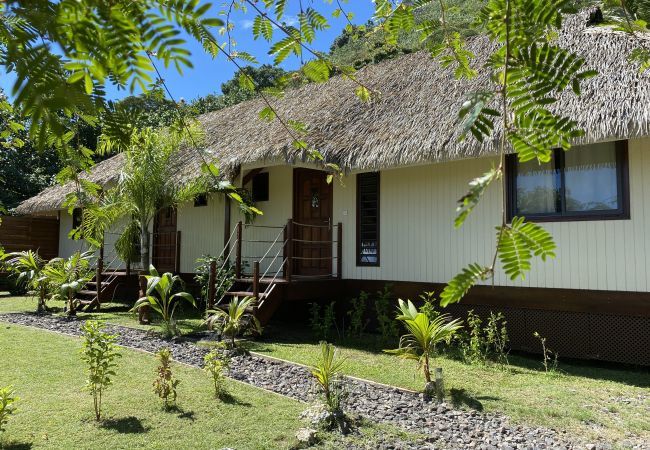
591, 178
368, 204
537, 187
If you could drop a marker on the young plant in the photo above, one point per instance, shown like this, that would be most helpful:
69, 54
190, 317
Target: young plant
160, 298
327, 372
28, 267
428, 306
165, 384
496, 337
423, 336
322, 326
225, 277
357, 314
69, 276
216, 363
549, 356
8, 399
385, 318
235, 320
99, 353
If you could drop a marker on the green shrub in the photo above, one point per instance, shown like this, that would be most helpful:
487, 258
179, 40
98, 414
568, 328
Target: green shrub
322, 326
385, 317
161, 298
327, 372
165, 383
357, 313
216, 363
8, 399
423, 336
235, 321
225, 277
549, 357
481, 344
99, 353
428, 305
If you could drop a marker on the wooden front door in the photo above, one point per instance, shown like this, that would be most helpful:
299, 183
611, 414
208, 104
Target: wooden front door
312, 230
164, 251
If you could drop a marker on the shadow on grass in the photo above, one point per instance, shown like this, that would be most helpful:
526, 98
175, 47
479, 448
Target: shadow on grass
461, 398
181, 413
15, 445
229, 399
285, 333
125, 425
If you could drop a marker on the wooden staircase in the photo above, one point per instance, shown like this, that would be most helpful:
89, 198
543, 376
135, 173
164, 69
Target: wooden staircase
267, 301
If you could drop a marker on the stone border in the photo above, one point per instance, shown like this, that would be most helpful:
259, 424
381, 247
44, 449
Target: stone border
440, 423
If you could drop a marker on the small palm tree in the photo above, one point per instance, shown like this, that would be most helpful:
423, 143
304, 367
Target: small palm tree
235, 320
424, 334
160, 297
69, 276
28, 267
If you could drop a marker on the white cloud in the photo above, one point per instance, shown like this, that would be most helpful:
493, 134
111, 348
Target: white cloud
246, 24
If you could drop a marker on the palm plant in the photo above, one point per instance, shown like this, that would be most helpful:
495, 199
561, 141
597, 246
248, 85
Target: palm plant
235, 320
147, 184
69, 276
28, 267
424, 335
161, 298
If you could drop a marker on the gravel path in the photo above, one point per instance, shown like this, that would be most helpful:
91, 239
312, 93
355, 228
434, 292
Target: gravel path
443, 426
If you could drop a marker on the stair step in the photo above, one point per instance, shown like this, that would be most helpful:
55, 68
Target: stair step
242, 294
87, 292
262, 280
94, 283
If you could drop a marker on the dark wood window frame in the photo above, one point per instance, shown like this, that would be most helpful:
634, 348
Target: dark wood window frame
260, 187
623, 190
359, 262
201, 200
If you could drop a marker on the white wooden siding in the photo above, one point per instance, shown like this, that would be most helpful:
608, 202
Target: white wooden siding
419, 243
201, 230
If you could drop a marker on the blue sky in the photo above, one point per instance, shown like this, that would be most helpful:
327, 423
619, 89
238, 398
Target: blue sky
208, 74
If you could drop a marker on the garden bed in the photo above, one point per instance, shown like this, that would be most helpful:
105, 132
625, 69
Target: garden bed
440, 423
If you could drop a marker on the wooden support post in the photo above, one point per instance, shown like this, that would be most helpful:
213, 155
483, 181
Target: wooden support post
440, 387
226, 226
98, 276
339, 251
289, 266
128, 268
143, 312
238, 250
212, 282
177, 262
256, 281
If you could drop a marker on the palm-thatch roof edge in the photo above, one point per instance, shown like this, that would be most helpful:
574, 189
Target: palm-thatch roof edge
413, 122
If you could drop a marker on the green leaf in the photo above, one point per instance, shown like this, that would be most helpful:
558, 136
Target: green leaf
461, 283
477, 188
363, 93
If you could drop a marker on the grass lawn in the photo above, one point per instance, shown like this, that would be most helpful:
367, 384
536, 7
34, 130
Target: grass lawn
55, 413
585, 399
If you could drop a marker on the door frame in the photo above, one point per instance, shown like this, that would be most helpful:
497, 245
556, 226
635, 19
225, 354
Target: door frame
295, 208
175, 247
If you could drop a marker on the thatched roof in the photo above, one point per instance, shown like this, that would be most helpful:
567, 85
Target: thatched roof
414, 121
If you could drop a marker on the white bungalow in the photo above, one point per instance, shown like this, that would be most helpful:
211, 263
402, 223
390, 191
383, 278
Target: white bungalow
391, 218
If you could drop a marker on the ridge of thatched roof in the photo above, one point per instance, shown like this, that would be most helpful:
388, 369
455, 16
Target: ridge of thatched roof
414, 121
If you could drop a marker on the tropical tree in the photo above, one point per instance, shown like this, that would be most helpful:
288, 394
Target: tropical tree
69, 276
160, 297
235, 320
28, 267
424, 335
148, 183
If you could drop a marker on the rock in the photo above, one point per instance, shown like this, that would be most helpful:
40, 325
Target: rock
306, 436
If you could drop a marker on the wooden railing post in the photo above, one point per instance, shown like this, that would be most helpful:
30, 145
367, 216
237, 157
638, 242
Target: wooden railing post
177, 262
98, 276
212, 280
128, 268
256, 281
289, 249
339, 251
238, 250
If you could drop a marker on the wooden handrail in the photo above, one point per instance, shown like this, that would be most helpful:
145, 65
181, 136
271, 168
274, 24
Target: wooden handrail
339, 251
212, 281
289, 250
256, 281
238, 250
